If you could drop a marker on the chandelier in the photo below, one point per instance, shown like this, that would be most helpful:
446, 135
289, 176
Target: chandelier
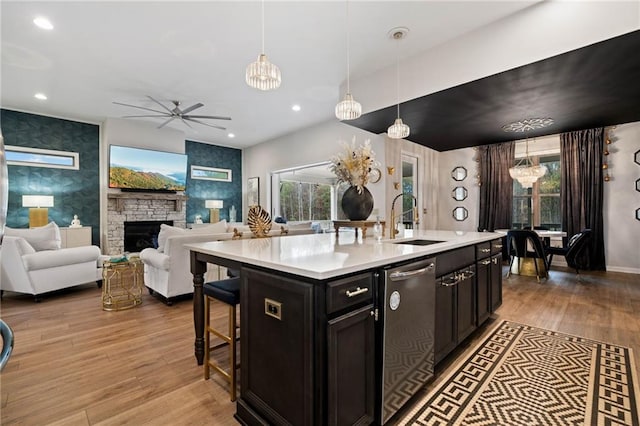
262, 74
525, 171
398, 130
348, 108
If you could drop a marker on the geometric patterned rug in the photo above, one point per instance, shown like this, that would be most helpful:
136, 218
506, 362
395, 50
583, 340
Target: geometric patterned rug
523, 375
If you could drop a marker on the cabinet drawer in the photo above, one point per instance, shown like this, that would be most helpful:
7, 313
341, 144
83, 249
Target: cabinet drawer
350, 291
496, 246
483, 250
453, 260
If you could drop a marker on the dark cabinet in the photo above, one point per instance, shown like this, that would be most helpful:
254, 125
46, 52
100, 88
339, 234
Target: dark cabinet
466, 303
277, 323
350, 368
455, 310
483, 282
445, 333
496, 281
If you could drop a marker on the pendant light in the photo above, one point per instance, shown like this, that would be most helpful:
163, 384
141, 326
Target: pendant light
525, 171
349, 108
262, 74
398, 130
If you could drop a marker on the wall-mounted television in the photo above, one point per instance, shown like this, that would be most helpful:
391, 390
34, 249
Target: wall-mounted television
139, 169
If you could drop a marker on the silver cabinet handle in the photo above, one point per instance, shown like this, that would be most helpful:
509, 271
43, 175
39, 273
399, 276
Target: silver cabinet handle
485, 262
453, 281
404, 274
485, 250
356, 292
497, 245
495, 260
466, 274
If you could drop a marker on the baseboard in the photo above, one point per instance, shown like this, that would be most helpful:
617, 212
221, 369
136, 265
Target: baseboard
623, 269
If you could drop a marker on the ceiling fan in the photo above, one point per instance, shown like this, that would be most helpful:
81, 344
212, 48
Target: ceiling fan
176, 113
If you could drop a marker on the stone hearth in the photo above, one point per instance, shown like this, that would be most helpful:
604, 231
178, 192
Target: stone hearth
132, 207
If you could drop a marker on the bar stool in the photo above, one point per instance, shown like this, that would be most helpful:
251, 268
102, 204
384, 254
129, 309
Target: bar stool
228, 292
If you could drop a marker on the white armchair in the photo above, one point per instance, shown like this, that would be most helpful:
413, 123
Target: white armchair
25, 270
167, 271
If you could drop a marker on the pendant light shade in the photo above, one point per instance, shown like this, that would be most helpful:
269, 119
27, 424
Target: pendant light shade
398, 130
262, 74
348, 108
525, 172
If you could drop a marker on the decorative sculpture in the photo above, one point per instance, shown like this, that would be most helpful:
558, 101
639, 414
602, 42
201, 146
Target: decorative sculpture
259, 221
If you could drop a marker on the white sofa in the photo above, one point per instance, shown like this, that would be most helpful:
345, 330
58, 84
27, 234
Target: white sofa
32, 262
167, 269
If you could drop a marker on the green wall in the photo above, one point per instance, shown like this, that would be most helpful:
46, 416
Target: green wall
74, 191
198, 190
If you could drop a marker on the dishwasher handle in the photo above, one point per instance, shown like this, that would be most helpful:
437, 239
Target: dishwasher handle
401, 275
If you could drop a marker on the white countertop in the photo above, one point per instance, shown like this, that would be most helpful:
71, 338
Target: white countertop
321, 256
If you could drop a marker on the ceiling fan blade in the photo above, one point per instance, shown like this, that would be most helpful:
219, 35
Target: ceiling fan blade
168, 110
136, 106
203, 123
214, 117
185, 122
192, 107
138, 116
166, 122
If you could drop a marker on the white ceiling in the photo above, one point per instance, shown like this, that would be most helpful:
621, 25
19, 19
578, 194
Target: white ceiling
101, 52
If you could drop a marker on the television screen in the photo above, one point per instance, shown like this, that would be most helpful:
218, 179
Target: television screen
144, 169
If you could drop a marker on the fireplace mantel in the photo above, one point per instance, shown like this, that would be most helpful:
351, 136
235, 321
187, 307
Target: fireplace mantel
120, 197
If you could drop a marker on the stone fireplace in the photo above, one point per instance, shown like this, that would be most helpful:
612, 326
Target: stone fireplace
141, 207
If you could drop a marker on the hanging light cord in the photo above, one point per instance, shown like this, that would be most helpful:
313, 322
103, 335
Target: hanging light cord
348, 43
398, 36
263, 27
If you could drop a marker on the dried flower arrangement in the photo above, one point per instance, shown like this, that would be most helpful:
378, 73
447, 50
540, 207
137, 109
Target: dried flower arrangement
354, 165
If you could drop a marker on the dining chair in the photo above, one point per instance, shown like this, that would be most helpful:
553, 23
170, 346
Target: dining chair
522, 244
573, 250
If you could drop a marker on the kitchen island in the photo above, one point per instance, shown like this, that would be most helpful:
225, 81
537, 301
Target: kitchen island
312, 316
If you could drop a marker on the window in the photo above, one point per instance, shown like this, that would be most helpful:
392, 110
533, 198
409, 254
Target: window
306, 193
35, 157
539, 205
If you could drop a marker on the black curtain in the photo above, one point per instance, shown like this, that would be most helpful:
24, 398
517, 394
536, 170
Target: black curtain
581, 194
496, 186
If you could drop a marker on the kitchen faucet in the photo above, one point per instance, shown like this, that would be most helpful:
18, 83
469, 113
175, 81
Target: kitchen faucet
416, 218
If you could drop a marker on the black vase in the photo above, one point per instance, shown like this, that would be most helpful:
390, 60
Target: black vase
355, 205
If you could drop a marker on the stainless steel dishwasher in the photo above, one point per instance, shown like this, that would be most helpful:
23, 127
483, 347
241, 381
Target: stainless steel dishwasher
408, 332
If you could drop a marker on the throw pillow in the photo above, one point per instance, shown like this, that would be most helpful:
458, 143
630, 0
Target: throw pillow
41, 238
165, 232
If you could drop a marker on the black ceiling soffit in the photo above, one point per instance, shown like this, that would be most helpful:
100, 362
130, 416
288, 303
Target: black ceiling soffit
595, 86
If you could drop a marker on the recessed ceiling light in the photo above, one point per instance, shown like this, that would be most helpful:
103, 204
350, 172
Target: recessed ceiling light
40, 96
43, 23
231, 135
296, 107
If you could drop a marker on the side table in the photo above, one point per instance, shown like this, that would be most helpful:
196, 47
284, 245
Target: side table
357, 224
122, 284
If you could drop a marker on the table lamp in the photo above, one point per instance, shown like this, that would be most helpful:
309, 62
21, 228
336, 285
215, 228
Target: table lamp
214, 207
38, 211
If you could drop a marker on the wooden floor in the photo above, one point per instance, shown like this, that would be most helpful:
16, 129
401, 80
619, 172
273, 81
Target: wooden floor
75, 364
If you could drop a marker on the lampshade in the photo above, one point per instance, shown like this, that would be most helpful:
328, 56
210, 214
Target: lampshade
525, 171
37, 201
348, 108
398, 130
262, 74
213, 204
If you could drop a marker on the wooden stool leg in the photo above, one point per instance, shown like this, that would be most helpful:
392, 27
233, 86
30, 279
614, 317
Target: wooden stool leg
232, 352
207, 326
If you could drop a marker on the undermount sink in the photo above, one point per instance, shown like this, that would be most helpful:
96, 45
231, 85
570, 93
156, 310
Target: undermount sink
418, 242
